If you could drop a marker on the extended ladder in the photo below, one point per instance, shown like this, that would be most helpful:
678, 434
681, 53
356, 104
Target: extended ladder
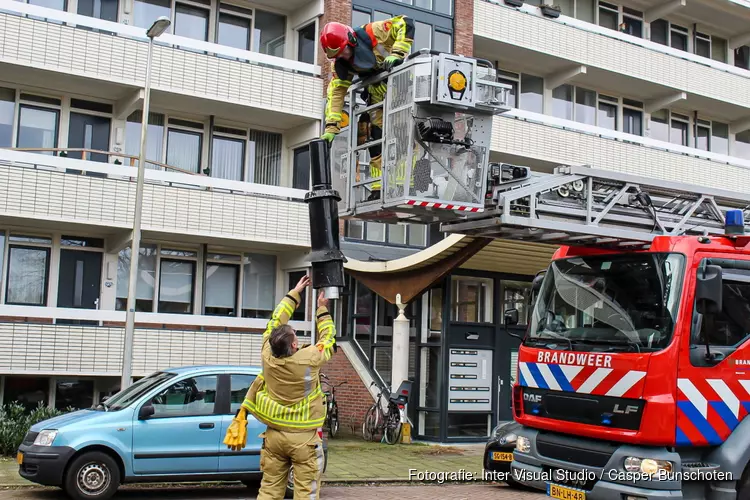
581, 206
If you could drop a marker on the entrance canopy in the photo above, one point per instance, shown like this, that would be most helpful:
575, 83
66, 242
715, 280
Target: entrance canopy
410, 276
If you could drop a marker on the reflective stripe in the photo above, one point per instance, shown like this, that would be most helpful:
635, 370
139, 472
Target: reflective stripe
296, 415
314, 485
308, 381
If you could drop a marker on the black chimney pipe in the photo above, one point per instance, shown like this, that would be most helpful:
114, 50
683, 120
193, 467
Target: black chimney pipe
326, 256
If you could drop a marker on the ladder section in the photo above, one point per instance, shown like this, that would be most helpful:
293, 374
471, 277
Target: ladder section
580, 206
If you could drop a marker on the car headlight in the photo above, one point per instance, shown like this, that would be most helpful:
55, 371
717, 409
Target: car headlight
508, 438
523, 444
647, 465
45, 438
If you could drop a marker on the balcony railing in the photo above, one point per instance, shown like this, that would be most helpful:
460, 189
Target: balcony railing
112, 157
630, 39
178, 42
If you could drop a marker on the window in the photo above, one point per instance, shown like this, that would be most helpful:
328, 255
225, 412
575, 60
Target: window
30, 392
702, 45
678, 37
632, 22
532, 93
586, 10
50, 4
679, 129
100, 9
144, 288
516, 296
660, 32
562, 102
718, 49
672, 35
228, 158
422, 36
362, 317
222, 281
471, 299
299, 313
608, 15
28, 274
7, 116
443, 42
703, 135
235, 27
265, 149
732, 325
720, 138
269, 35
258, 286
306, 44
632, 117
742, 145
184, 149
414, 235
742, 57
38, 127
607, 116
154, 137
301, 168
513, 80
360, 18
2, 256
74, 393
191, 22
194, 396
239, 384
176, 286
585, 108
659, 128
436, 314
145, 12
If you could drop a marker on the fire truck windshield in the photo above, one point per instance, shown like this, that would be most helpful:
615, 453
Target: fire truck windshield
625, 302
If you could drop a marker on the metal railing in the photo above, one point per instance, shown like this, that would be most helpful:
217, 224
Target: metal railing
65, 153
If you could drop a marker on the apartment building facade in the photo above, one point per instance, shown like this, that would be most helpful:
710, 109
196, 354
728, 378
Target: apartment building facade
656, 88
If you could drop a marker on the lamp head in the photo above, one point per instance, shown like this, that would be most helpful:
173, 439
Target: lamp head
159, 27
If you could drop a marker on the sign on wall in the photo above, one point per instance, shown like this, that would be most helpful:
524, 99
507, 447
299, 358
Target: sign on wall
470, 380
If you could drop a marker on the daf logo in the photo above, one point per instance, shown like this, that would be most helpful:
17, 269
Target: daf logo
534, 398
627, 411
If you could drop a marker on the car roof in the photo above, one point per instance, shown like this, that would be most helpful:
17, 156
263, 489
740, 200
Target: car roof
183, 370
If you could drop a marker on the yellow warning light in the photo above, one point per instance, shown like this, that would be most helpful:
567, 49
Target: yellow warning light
457, 81
344, 120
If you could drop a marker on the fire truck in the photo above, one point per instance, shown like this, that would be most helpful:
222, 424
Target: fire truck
633, 378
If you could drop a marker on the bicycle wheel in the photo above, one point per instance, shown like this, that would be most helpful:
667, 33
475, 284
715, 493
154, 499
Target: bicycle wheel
370, 425
333, 422
392, 431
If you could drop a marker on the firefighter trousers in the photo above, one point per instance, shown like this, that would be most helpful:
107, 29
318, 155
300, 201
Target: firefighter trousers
303, 450
375, 95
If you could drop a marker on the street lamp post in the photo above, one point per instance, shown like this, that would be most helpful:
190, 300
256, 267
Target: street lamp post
156, 29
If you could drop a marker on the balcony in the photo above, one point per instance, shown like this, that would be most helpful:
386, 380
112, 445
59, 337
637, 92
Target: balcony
30, 344
552, 141
63, 193
104, 59
568, 49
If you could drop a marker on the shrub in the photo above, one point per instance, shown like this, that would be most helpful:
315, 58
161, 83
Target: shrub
15, 422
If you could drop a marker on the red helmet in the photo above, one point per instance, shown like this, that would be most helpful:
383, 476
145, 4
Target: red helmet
335, 37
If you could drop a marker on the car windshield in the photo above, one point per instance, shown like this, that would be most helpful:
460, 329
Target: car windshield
124, 398
614, 302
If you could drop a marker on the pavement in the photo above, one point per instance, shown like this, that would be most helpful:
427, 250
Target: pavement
381, 492
353, 460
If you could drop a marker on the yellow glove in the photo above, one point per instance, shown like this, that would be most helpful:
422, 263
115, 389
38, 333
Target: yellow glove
328, 136
236, 436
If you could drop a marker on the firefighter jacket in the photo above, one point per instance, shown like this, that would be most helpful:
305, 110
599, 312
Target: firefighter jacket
286, 395
375, 42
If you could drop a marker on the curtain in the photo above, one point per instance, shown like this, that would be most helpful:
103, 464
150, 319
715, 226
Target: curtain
258, 290
154, 137
176, 282
184, 150
265, 148
221, 286
228, 158
144, 288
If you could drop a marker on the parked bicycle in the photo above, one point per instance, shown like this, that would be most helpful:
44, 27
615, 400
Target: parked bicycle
389, 422
332, 415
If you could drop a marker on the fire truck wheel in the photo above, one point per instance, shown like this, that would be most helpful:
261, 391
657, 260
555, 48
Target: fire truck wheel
743, 489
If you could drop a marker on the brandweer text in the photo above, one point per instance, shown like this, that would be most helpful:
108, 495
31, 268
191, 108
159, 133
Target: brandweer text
570, 358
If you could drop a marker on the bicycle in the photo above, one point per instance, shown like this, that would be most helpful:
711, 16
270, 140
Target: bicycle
390, 421
332, 413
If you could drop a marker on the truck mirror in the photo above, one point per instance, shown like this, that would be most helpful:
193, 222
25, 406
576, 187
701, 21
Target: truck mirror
511, 317
146, 411
536, 285
708, 290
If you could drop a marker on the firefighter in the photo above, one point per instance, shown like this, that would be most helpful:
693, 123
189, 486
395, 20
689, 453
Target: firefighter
364, 51
288, 399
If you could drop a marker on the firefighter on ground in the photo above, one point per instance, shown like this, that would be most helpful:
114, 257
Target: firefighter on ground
287, 397
364, 51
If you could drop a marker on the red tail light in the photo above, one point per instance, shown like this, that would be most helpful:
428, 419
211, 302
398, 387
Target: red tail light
400, 407
517, 401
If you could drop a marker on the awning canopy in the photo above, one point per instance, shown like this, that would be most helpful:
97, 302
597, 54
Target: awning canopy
410, 276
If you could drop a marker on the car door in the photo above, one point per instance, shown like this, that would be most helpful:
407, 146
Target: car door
247, 459
183, 434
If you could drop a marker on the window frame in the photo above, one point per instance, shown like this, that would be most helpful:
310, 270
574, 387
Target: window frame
9, 246
160, 269
237, 281
298, 39
22, 103
169, 127
217, 399
230, 137
295, 167
409, 227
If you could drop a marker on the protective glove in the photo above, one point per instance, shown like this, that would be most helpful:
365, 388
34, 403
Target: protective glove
391, 61
236, 435
328, 136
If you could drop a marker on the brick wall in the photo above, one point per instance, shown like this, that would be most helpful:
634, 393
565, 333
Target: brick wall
463, 27
353, 398
339, 11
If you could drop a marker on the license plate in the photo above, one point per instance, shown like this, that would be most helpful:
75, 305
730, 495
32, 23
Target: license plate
562, 493
499, 456
19, 458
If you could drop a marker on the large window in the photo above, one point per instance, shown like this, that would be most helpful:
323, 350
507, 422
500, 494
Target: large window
471, 299
265, 148
235, 26
194, 396
269, 34
306, 40
38, 125
228, 156
191, 21
74, 393
144, 291
177, 281
30, 392
7, 116
28, 270
413, 235
259, 285
301, 168
222, 285
185, 145
154, 137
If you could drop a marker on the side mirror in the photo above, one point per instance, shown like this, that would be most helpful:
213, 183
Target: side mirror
511, 317
708, 290
536, 285
146, 411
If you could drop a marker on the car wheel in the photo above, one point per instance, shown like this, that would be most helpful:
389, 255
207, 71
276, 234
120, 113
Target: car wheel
290, 483
92, 476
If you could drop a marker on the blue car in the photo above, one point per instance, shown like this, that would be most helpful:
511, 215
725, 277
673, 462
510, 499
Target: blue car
167, 427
